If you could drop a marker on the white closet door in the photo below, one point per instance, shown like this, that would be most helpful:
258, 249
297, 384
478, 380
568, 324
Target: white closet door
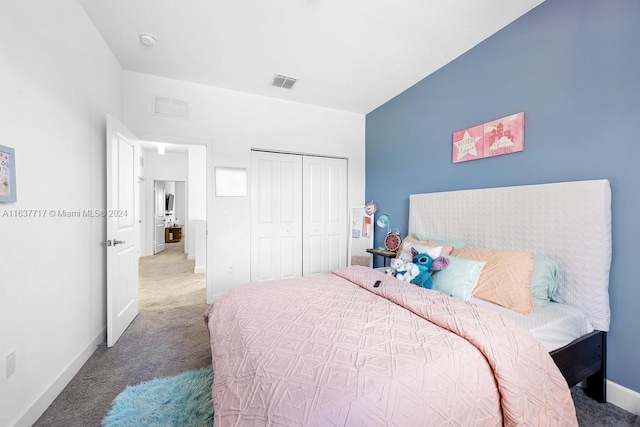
325, 215
276, 216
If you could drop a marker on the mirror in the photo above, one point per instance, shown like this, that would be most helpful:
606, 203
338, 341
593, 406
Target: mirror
361, 237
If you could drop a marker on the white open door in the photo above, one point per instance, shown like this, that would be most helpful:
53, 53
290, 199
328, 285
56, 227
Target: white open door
158, 217
122, 259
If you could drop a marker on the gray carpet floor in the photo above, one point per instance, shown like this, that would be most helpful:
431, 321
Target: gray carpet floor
169, 337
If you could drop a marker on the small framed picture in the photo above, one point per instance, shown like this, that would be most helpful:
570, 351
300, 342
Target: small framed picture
367, 226
7, 175
494, 138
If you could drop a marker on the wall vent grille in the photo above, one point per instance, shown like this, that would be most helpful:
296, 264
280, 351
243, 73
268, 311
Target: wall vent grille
171, 107
284, 82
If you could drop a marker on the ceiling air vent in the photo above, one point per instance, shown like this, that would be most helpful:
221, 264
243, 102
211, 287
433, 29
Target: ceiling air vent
285, 82
171, 107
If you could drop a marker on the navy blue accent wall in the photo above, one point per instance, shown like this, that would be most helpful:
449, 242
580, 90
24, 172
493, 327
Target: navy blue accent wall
573, 67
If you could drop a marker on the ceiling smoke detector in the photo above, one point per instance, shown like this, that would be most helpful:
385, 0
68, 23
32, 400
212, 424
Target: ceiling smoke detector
285, 82
147, 39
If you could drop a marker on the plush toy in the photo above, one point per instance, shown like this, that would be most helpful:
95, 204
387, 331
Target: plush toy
412, 271
402, 270
396, 267
426, 265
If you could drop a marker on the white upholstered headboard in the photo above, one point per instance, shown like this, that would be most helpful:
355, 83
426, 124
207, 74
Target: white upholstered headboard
566, 221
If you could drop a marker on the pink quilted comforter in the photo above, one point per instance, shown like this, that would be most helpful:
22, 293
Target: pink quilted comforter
335, 351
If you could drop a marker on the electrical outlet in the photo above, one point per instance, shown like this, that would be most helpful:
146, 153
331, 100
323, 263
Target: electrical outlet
10, 364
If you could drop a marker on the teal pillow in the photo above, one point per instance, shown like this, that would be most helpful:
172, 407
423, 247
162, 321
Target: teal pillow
454, 243
544, 281
459, 278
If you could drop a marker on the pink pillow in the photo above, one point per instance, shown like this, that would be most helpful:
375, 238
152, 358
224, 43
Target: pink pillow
505, 279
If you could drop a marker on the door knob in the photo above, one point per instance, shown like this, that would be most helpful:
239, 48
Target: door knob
118, 242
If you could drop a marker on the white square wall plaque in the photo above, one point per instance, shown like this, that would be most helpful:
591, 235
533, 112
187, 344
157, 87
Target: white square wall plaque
231, 182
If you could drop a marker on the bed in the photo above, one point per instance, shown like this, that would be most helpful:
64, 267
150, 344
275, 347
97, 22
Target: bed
358, 347
569, 222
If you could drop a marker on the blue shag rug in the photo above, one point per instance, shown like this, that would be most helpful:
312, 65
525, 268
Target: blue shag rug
183, 400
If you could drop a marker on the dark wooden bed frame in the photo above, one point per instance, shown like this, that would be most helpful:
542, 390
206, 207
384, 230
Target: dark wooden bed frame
585, 359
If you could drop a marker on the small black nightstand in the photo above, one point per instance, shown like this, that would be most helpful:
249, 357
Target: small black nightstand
383, 253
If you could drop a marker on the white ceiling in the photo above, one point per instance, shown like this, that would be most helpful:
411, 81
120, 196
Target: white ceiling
351, 55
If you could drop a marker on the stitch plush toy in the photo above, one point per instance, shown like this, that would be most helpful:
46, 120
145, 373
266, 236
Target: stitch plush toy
426, 265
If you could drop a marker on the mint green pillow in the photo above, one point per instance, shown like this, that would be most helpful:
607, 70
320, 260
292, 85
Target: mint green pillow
544, 281
459, 278
454, 243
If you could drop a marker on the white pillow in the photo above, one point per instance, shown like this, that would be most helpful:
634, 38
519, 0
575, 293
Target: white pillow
459, 278
433, 251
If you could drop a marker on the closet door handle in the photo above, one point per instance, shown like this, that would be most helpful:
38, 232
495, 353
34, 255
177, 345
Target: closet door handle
118, 242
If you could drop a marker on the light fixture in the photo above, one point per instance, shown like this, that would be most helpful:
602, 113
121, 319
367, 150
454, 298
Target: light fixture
383, 221
147, 39
161, 149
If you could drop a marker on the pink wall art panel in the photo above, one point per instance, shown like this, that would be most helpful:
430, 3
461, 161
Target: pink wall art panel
494, 138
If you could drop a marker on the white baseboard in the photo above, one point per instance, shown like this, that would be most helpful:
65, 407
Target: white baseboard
35, 411
623, 397
201, 269
191, 257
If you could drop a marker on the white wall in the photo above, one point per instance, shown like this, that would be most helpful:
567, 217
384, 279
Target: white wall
58, 81
167, 167
141, 203
197, 194
180, 210
231, 123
